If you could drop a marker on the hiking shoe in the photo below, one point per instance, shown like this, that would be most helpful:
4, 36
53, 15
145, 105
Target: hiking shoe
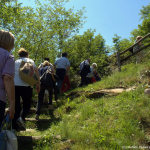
21, 123
37, 117
50, 107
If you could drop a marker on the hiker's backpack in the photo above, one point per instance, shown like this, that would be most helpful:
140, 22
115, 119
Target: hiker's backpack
27, 73
84, 69
48, 78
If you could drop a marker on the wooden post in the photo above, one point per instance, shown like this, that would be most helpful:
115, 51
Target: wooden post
118, 62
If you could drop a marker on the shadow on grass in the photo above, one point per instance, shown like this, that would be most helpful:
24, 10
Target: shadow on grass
25, 144
46, 124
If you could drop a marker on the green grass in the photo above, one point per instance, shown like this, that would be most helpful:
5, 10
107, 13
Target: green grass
109, 122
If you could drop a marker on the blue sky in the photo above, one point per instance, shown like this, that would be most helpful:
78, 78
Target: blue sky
108, 17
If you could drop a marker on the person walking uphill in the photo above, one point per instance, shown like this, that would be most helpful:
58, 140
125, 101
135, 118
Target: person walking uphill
24, 90
7, 70
46, 67
84, 70
63, 66
40, 66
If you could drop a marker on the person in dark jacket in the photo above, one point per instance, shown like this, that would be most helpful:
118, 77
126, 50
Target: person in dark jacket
84, 70
42, 70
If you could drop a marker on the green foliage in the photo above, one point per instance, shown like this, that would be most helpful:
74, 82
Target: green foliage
108, 122
42, 31
145, 11
116, 41
144, 27
82, 47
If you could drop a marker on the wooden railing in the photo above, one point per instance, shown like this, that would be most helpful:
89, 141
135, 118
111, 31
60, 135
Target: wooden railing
128, 49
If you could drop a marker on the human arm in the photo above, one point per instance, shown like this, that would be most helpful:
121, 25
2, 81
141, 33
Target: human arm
67, 70
54, 68
10, 90
39, 66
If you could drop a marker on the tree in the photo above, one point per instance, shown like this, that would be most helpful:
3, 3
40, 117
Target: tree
144, 13
144, 27
81, 47
116, 41
42, 31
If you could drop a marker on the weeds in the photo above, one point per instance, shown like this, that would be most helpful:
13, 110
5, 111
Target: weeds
103, 123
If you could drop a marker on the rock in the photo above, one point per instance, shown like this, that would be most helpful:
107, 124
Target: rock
58, 137
29, 130
131, 89
100, 93
40, 120
147, 92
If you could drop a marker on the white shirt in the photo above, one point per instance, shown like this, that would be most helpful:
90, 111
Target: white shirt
17, 80
90, 75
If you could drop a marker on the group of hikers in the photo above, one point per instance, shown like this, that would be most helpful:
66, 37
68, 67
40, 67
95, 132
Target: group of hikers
14, 88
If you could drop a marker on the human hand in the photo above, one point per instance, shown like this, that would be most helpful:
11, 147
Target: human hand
38, 88
11, 110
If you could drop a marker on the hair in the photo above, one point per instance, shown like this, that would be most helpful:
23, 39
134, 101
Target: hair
46, 63
94, 64
138, 37
46, 58
7, 40
22, 52
64, 54
89, 60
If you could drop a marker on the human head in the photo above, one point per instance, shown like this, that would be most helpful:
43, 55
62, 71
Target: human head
89, 60
46, 58
94, 65
22, 52
7, 40
64, 54
46, 63
138, 38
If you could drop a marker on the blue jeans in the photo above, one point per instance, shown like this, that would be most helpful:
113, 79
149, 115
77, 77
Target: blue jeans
59, 84
60, 72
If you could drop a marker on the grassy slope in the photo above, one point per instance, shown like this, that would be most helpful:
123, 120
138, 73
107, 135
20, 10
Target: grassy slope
102, 123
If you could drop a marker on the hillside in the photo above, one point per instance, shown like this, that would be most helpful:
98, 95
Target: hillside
105, 120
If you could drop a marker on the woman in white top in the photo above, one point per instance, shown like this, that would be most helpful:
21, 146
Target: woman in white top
24, 90
90, 75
